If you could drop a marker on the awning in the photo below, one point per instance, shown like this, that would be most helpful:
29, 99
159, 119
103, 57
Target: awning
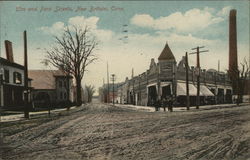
181, 90
206, 91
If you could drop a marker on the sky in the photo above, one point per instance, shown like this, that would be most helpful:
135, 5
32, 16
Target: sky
149, 25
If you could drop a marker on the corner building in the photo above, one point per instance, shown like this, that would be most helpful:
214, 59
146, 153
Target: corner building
167, 79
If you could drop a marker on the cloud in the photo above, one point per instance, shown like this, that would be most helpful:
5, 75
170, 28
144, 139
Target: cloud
225, 11
192, 20
142, 47
80, 21
143, 20
55, 29
211, 10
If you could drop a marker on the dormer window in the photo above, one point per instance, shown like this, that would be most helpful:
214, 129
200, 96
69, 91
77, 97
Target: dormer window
17, 78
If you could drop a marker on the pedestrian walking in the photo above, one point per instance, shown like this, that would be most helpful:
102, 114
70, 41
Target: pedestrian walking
164, 104
157, 105
170, 104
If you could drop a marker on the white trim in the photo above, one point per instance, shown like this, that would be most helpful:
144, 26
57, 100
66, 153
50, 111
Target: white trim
163, 84
152, 84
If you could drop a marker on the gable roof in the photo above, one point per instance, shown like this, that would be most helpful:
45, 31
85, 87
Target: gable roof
44, 79
6, 62
166, 54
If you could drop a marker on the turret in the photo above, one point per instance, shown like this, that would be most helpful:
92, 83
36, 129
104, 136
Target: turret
167, 62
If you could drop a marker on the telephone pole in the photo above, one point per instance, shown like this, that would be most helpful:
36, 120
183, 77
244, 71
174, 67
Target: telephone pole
217, 77
133, 86
26, 90
108, 82
198, 72
187, 82
103, 91
113, 80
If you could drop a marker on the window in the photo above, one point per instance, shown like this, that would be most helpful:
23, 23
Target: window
6, 76
17, 78
65, 84
65, 95
61, 95
60, 84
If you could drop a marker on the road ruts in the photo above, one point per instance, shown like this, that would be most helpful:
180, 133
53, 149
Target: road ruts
107, 132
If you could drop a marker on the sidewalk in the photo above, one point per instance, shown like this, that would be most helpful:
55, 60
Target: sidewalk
134, 107
16, 117
178, 109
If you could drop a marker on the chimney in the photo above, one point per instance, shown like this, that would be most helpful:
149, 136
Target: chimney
9, 51
233, 58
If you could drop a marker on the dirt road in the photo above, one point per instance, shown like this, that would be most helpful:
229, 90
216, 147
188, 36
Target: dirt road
99, 131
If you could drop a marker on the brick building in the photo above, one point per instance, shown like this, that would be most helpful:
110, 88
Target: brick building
168, 79
51, 87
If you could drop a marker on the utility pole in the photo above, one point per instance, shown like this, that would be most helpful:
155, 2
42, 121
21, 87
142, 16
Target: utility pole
113, 80
158, 83
139, 97
26, 103
103, 91
1, 95
108, 81
133, 86
174, 88
218, 66
187, 82
216, 81
198, 72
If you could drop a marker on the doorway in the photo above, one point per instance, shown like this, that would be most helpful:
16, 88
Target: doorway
152, 95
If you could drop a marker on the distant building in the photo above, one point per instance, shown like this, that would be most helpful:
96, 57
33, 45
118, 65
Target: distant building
104, 95
12, 84
51, 87
167, 79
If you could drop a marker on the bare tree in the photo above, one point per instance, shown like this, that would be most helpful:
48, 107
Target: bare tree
90, 92
243, 75
72, 53
239, 78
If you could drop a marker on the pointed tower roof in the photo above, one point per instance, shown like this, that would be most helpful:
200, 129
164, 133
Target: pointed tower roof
166, 54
